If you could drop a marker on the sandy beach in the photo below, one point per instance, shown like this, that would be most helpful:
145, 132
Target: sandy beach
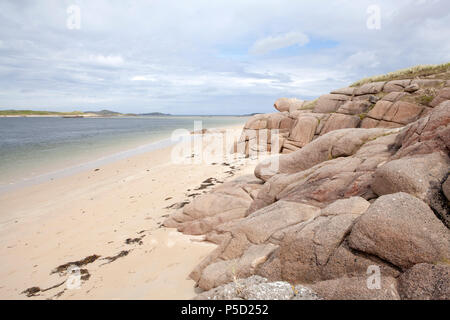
108, 222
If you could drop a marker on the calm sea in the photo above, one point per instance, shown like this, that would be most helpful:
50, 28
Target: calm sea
30, 147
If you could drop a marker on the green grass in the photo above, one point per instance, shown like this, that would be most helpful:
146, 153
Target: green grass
362, 115
408, 73
425, 99
309, 105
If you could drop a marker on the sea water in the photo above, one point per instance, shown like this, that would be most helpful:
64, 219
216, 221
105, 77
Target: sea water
33, 147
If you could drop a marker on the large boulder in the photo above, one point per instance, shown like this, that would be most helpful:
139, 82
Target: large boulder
427, 135
245, 239
420, 176
444, 95
307, 248
370, 88
330, 180
224, 271
338, 143
227, 202
369, 123
318, 186
330, 102
403, 112
356, 288
403, 230
320, 191
315, 251
349, 91
429, 83
394, 96
269, 121
396, 85
288, 104
356, 107
264, 133
259, 226
303, 129
340, 121
425, 282
400, 112
412, 88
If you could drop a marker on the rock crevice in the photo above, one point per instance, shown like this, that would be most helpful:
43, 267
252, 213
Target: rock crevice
357, 178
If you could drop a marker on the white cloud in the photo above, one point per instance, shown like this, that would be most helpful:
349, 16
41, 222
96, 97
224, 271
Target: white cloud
272, 43
143, 78
362, 59
193, 57
110, 60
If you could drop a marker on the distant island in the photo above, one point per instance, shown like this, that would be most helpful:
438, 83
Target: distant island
99, 114
154, 114
74, 114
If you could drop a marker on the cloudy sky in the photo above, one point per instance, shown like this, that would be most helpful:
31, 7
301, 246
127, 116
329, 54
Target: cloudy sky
206, 57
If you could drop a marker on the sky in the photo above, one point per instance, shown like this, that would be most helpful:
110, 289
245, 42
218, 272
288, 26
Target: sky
206, 57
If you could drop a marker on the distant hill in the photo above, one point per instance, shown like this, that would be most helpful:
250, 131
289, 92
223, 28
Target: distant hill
101, 113
250, 114
37, 113
105, 113
154, 114
75, 114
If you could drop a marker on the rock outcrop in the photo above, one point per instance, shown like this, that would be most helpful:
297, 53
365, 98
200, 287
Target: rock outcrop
356, 288
357, 181
228, 202
258, 288
390, 104
425, 282
403, 230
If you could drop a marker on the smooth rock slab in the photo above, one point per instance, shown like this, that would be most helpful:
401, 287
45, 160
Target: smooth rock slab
403, 112
330, 102
337, 143
444, 94
288, 104
403, 230
356, 289
394, 96
225, 271
420, 176
303, 130
347, 91
260, 225
396, 85
427, 135
354, 107
425, 282
305, 250
370, 88
400, 112
340, 121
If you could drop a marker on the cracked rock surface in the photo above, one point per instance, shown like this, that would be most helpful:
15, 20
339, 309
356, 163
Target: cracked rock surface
359, 179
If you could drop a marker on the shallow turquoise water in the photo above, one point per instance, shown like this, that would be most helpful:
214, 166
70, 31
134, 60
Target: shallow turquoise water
32, 146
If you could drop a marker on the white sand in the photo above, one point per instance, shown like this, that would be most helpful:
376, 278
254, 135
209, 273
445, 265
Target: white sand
94, 212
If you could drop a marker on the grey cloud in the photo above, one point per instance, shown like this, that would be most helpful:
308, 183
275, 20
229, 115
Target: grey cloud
196, 53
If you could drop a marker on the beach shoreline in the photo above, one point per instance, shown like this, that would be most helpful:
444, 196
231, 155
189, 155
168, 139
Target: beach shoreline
113, 212
37, 149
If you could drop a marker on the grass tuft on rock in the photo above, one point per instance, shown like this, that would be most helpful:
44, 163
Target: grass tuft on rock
309, 105
408, 73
